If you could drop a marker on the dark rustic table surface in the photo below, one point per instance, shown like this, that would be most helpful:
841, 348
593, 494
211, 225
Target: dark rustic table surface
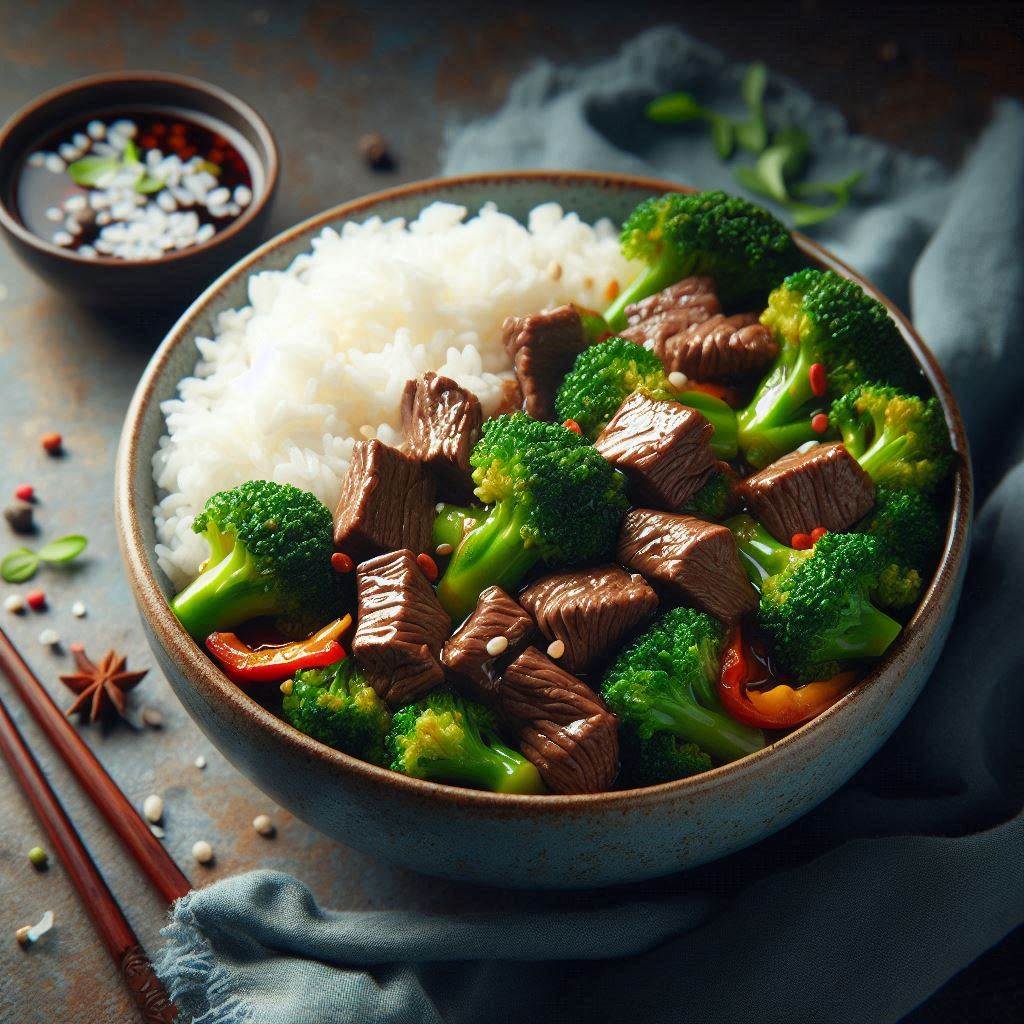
322, 75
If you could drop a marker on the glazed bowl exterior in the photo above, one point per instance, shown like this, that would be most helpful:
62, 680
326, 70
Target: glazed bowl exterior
177, 277
529, 842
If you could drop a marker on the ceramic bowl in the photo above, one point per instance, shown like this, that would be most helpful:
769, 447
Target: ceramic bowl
556, 841
179, 276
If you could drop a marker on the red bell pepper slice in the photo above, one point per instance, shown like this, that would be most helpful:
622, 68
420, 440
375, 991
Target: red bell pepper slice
724, 392
242, 664
781, 707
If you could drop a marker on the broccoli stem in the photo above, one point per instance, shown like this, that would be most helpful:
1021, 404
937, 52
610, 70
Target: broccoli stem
453, 522
495, 768
762, 555
660, 274
869, 637
882, 452
225, 595
778, 418
720, 415
494, 553
722, 737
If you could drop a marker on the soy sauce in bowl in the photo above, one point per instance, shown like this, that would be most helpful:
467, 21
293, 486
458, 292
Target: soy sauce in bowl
134, 184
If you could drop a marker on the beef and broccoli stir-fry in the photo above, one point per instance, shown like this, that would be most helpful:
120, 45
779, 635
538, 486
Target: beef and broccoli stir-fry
716, 506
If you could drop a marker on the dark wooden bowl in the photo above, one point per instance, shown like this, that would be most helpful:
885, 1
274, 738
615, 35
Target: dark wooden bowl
178, 276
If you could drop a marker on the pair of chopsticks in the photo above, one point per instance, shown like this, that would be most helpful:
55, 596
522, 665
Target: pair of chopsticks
120, 940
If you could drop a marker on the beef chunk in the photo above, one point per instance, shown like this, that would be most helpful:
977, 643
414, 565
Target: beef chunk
720, 348
465, 654
543, 347
689, 560
823, 486
664, 449
694, 294
386, 503
591, 611
441, 421
400, 629
563, 727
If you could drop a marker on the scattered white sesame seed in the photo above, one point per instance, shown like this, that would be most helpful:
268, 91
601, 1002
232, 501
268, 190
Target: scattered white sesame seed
219, 197
78, 608
28, 934
243, 195
497, 645
443, 549
54, 164
152, 717
166, 201
54, 213
807, 446
157, 831
153, 808
72, 227
37, 160
75, 203
202, 851
439, 507
14, 603
96, 129
62, 238
263, 825
80, 140
122, 126
556, 649
200, 762
69, 152
49, 638
205, 233
90, 254
678, 380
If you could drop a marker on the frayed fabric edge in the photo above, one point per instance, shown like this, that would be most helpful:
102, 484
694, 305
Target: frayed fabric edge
195, 982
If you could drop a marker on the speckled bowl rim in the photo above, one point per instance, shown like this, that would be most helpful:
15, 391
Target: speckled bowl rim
271, 164
202, 673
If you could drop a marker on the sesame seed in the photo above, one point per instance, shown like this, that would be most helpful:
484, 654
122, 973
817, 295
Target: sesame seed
78, 610
263, 825
55, 214
14, 603
54, 164
49, 638
556, 649
157, 831
243, 195
153, 808
62, 238
152, 717
202, 851
678, 380
37, 160
497, 645
200, 762
96, 129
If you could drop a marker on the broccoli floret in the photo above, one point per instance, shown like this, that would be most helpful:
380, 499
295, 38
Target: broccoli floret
815, 608
551, 497
661, 757
337, 706
818, 317
666, 682
604, 375
445, 738
899, 439
742, 246
270, 554
715, 499
909, 528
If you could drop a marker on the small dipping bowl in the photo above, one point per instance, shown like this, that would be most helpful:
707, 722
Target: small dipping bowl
206, 112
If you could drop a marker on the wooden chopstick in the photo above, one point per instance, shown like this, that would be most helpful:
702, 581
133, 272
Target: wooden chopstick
136, 971
122, 817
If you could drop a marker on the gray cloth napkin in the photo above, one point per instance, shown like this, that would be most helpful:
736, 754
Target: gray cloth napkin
867, 905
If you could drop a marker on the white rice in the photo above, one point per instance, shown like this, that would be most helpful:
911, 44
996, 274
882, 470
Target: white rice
319, 358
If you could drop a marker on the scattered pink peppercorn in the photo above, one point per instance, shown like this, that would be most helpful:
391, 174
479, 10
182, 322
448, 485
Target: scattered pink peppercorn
819, 423
573, 426
340, 562
36, 600
53, 443
427, 566
817, 533
818, 380
801, 541
24, 492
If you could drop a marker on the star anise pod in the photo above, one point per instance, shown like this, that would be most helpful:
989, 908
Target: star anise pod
99, 687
